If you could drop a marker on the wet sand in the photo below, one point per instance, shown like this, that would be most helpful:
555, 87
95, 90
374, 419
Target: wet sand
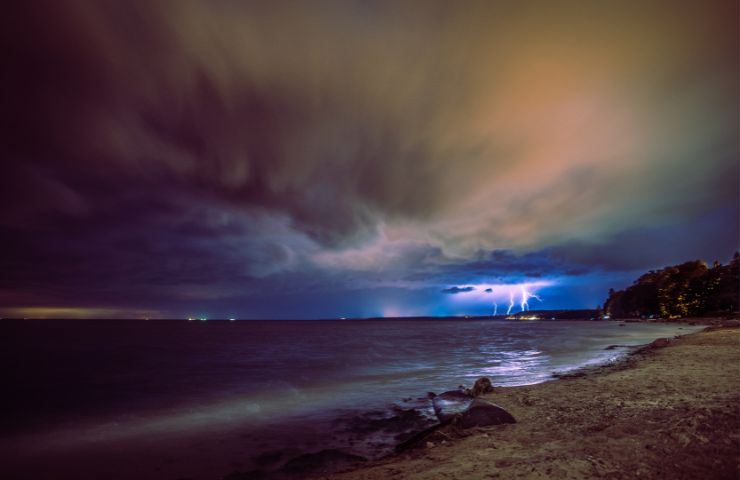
670, 412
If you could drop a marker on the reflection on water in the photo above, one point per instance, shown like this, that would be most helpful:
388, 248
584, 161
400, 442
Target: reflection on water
114, 381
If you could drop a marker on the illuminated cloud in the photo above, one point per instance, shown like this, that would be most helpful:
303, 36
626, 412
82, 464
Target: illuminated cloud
175, 154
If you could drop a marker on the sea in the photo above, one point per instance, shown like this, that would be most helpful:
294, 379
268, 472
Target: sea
172, 399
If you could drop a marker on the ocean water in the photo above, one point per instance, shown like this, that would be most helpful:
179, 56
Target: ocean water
235, 395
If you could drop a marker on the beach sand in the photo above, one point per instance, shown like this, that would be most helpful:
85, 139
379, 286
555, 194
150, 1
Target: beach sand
670, 412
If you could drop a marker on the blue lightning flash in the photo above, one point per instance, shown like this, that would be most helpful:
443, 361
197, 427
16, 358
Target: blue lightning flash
526, 295
511, 302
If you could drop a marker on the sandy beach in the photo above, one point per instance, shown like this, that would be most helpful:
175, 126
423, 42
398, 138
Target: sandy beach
671, 412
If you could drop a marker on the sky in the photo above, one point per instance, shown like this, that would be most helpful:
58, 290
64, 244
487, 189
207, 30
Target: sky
333, 159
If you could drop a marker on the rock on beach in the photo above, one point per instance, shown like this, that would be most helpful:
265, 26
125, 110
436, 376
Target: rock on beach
481, 413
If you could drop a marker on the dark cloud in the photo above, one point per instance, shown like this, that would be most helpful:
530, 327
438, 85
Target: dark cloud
488, 290
455, 290
710, 237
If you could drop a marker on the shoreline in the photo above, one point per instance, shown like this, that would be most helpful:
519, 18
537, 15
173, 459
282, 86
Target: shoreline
221, 453
328, 460
657, 412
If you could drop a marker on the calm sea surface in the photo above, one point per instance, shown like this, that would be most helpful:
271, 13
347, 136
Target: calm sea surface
291, 386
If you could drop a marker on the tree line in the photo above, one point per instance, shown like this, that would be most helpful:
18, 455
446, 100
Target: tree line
686, 290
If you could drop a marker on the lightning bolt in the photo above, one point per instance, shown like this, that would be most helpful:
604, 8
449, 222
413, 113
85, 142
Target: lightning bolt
495, 309
511, 302
526, 295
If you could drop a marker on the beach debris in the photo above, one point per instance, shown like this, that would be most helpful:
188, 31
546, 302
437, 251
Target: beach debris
324, 461
481, 386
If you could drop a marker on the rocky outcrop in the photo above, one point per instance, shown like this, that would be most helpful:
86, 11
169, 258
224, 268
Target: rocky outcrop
455, 405
481, 413
476, 413
458, 410
482, 385
447, 405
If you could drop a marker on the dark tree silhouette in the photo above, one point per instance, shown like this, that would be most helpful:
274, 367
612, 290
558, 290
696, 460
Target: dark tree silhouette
688, 289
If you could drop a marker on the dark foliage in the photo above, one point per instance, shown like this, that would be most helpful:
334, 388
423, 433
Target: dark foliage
688, 289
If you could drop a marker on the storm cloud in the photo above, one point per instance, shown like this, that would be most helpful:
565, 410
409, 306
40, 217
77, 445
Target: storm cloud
455, 290
185, 152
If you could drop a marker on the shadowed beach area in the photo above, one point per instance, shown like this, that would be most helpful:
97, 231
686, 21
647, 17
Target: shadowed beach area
668, 412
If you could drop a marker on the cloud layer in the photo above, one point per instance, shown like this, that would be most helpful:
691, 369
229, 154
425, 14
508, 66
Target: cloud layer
191, 151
